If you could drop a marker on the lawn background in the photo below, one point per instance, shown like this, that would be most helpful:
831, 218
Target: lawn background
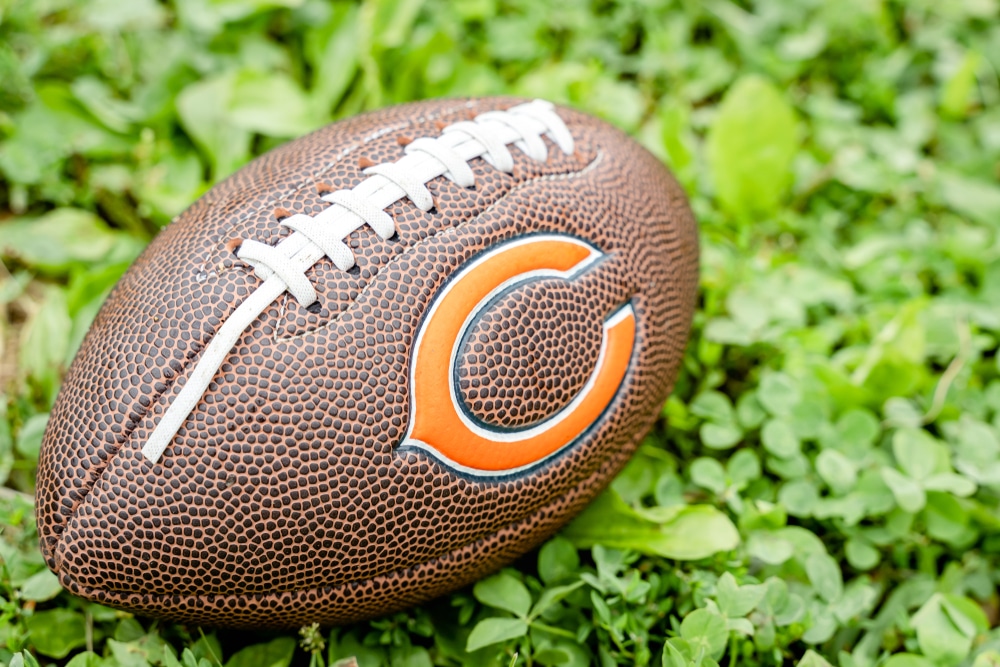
824, 487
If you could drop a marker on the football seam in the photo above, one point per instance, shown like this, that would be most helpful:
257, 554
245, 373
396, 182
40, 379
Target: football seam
590, 166
346, 152
186, 364
168, 384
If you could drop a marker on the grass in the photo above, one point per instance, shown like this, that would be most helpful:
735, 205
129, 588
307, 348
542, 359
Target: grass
824, 486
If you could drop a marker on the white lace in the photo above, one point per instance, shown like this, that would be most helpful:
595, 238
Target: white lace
284, 266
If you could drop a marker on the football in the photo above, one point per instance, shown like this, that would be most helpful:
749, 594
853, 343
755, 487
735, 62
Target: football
374, 365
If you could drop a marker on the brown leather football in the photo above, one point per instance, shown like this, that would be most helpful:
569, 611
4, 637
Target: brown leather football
369, 368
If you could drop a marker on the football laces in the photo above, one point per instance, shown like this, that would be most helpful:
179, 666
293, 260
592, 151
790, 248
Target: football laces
284, 266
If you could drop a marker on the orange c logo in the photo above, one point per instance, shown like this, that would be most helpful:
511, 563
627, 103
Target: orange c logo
438, 424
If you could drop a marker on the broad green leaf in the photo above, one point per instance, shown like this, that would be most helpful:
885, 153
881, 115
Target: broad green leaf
609, 562
551, 596
276, 653
720, 436
860, 554
170, 186
836, 470
725, 331
764, 515
48, 131
58, 240
140, 652
637, 479
908, 493
749, 412
942, 639
86, 295
958, 89
46, 340
822, 623
975, 198
678, 652
23, 659
855, 432
234, 10
683, 533
100, 100
988, 658
495, 631
951, 483
751, 143
203, 108
676, 136
764, 637
793, 611
807, 418
735, 600
769, 549
409, 656
619, 103
503, 591
825, 576
805, 45
88, 287
741, 626
672, 656
977, 441
747, 309
743, 467
56, 632
902, 412
601, 608
207, 647
779, 438
86, 659
973, 619
271, 104
947, 520
129, 630
394, 21
713, 406
908, 660
347, 648
110, 16
557, 560
917, 453
41, 587
778, 394
962, 623
705, 629
333, 52
812, 659
708, 473
857, 601
553, 656
29, 438
799, 497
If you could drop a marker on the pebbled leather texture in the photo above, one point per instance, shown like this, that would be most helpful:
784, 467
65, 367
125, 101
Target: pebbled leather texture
286, 499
